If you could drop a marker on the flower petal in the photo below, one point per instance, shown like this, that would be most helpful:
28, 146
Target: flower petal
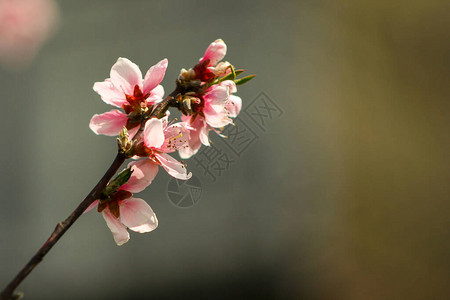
188, 151
144, 171
176, 135
233, 106
137, 215
216, 119
109, 94
216, 98
216, 52
154, 76
192, 146
193, 143
156, 95
203, 135
125, 75
173, 167
119, 231
154, 133
222, 69
230, 85
90, 207
109, 123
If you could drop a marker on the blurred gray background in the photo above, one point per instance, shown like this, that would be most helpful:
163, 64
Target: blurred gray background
345, 196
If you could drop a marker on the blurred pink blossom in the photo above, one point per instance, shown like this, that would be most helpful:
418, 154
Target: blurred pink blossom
24, 27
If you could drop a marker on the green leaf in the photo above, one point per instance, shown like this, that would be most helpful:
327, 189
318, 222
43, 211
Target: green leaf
244, 79
233, 73
117, 182
230, 76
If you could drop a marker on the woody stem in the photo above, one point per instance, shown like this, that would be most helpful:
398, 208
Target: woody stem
169, 101
62, 227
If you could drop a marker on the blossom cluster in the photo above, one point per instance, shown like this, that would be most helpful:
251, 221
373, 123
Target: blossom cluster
205, 96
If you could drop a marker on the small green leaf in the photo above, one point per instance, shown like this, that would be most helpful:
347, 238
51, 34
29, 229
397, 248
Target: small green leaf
244, 79
230, 76
233, 73
117, 182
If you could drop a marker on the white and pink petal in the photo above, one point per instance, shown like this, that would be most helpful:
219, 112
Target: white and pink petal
156, 95
222, 69
137, 215
233, 106
203, 135
193, 142
215, 52
109, 93
230, 85
176, 135
109, 123
119, 231
216, 119
154, 133
154, 76
90, 207
216, 97
144, 171
173, 167
192, 145
125, 75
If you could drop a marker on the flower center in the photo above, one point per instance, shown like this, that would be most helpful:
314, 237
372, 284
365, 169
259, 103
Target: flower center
197, 108
202, 72
136, 102
112, 202
137, 105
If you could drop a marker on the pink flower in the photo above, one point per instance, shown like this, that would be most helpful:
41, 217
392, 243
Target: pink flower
127, 90
122, 211
142, 176
160, 138
135, 214
215, 52
206, 69
196, 137
24, 26
213, 111
211, 106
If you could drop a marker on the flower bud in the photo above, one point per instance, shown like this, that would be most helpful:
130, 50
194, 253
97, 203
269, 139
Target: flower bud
221, 69
188, 104
124, 142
